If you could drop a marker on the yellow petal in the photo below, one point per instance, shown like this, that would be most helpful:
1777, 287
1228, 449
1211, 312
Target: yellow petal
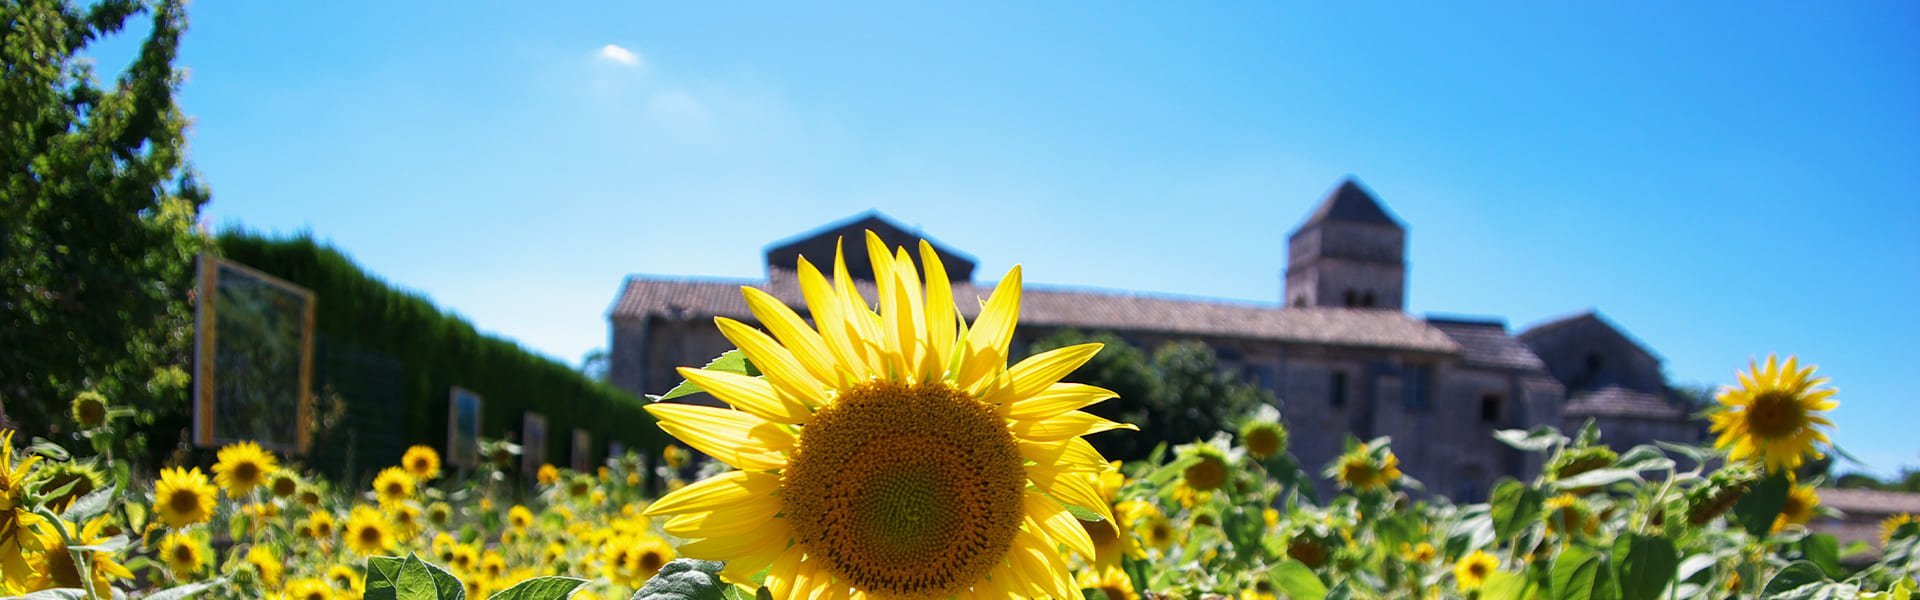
1059, 524
751, 394
734, 437
940, 311
736, 547
987, 341
1071, 454
1033, 375
794, 334
1055, 400
773, 360
824, 305
1066, 425
1071, 488
713, 493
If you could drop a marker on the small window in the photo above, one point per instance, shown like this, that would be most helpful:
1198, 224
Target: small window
1348, 299
1490, 408
1419, 396
1337, 391
1367, 300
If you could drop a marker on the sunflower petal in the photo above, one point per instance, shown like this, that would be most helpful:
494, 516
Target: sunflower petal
793, 333
1066, 425
750, 394
716, 492
737, 438
1054, 400
1057, 523
1033, 375
773, 360
987, 341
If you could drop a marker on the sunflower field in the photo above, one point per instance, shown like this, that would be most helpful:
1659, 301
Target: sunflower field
884, 447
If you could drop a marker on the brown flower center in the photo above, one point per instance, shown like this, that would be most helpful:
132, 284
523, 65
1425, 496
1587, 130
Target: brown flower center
905, 491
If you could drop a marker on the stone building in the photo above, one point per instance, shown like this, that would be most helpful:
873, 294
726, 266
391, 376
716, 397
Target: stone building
1339, 352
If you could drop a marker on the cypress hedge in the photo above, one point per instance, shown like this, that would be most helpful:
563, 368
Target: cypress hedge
438, 351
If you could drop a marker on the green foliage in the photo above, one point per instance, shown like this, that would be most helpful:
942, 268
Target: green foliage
99, 209
1178, 394
395, 578
440, 351
684, 579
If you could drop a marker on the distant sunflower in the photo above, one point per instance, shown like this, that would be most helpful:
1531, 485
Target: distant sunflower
646, 559
183, 555
184, 497
1111, 543
422, 462
1365, 468
283, 483
1890, 528
265, 563
367, 533
343, 578
1111, 581
1209, 472
1473, 570
1263, 438
406, 520
889, 453
308, 589
320, 525
1798, 510
547, 474
393, 485
242, 467
519, 517
1772, 417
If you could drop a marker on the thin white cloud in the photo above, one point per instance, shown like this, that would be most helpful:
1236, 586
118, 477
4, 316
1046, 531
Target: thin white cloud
617, 54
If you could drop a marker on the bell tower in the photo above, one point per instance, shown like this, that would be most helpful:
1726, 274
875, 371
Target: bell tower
1350, 253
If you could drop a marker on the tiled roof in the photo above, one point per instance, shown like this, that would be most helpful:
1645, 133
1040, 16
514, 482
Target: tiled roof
1616, 401
1487, 344
1076, 308
1870, 502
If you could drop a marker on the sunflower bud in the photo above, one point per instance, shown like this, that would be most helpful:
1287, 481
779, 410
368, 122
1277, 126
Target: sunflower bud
89, 409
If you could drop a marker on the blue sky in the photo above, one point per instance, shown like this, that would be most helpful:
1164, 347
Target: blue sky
1722, 179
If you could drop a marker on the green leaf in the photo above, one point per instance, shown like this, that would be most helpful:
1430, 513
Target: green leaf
540, 588
1597, 478
1823, 551
394, 578
1136, 570
684, 579
1539, 439
1647, 565
1644, 458
1579, 573
1298, 581
180, 592
109, 545
1502, 585
1082, 513
57, 594
49, 450
731, 361
1514, 505
90, 505
1757, 509
1798, 575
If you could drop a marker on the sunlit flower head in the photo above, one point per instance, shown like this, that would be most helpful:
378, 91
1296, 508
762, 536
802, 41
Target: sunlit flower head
367, 533
1367, 468
56, 568
184, 497
422, 462
1773, 416
1473, 570
1799, 508
183, 555
242, 467
891, 452
393, 485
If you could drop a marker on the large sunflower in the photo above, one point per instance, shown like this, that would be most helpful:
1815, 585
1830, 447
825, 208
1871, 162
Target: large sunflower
1771, 416
890, 452
18, 532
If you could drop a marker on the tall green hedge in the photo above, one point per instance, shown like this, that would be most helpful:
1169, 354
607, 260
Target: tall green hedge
439, 351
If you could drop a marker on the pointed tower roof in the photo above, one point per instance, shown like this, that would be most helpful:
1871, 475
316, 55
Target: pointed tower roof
1351, 203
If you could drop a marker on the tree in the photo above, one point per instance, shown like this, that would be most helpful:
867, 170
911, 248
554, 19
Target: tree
99, 208
1176, 395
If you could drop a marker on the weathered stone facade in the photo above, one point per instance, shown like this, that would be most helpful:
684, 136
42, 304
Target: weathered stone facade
1340, 354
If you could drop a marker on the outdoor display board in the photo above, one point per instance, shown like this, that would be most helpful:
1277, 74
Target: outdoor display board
582, 450
253, 358
463, 428
533, 442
